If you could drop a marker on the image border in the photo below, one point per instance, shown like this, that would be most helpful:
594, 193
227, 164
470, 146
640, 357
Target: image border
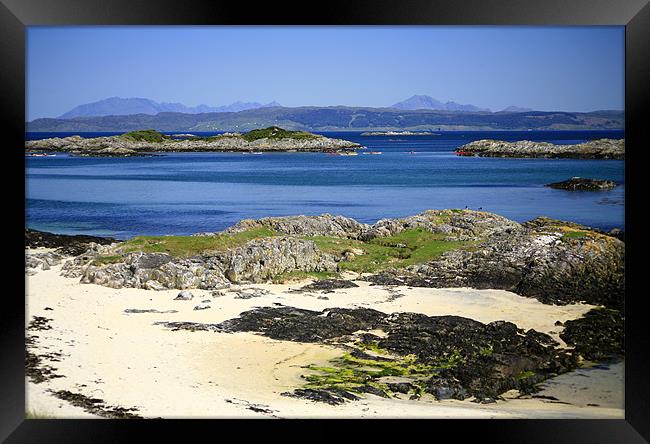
16, 15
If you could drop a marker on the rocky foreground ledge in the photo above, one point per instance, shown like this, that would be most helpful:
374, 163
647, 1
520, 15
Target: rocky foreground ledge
139, 143
595, 149
553, 261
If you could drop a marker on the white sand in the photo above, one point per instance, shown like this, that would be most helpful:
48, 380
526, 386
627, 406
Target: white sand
126, 360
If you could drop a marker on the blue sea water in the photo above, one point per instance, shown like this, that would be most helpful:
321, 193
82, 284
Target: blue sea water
185, 193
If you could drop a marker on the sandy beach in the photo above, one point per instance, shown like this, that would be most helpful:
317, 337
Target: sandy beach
127, 360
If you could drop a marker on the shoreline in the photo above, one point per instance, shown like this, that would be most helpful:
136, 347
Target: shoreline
126, 360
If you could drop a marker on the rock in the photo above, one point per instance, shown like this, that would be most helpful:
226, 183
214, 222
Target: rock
65, 244
318, 396
323, 225
599, 335
460, 357
184, 296
580, 184
127, 145
202, 306
593, 149
329, 284
153, 285
553, 261
262, 259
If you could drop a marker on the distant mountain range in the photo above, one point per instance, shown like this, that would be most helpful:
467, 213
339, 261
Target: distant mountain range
336, 118
427, 102
117, 106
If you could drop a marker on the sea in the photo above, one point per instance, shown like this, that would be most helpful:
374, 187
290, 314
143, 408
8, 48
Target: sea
186, 193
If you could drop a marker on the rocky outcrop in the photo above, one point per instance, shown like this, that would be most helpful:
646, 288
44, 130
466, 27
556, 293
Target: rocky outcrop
552, 261
447, 356
458, 224
598, 335
72, 245
119, 146
323, 225
582, 184
256, 261
594, 149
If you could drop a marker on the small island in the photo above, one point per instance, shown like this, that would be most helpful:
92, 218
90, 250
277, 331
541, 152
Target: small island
593, 149
582, 184
144, 142
397, 133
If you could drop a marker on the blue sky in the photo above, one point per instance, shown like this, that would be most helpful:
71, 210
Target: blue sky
545, 68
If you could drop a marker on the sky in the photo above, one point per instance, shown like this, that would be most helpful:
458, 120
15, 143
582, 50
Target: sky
545, 68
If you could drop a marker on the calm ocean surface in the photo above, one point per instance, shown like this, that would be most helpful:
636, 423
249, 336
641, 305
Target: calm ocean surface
197, 192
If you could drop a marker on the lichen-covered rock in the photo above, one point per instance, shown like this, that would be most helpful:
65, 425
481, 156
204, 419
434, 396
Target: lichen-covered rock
261, 259
458, 224
552, 261
452, 356
323, 225
593, 149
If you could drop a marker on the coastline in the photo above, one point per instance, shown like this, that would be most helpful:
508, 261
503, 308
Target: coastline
127, 361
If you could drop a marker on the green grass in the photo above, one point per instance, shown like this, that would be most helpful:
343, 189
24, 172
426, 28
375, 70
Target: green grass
274, 132
525, 375
298, 275
184, 246
574, 235
406, 248
107, 259
145, 136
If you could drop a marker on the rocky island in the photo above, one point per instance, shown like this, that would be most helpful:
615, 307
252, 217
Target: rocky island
323, 312
583, 184
594, 149
397, 133
144, 142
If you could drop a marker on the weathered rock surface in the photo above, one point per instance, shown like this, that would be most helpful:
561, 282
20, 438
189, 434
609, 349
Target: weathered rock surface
582, 184
256, 261
455, 357
119, 146
323, 225
552, 261
65, 244
598, 335
594, 149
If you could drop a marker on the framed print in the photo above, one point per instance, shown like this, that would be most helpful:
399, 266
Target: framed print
406, 213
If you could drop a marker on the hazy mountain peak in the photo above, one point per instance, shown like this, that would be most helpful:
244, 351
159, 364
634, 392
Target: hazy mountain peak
118, 106
428, 102
516, 109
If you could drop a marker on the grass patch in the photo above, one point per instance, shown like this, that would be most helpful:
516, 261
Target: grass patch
525, 375
149, 135
409, 247
274, 132
184, 246
298, 275
107, 259
573, 235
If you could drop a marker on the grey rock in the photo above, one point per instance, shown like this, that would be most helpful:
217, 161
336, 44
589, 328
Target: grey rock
593, 149
202, 307
184, 296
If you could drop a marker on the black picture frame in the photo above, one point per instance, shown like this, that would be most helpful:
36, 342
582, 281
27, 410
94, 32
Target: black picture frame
15, 15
